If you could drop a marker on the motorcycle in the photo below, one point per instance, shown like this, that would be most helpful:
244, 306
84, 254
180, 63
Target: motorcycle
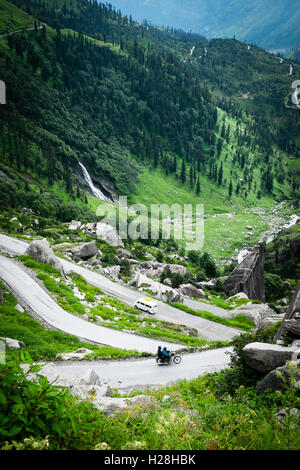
176, 358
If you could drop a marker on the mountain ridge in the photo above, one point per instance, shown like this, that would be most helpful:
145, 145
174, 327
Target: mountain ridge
273, 26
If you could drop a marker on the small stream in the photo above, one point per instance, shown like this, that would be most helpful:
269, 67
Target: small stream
268, 237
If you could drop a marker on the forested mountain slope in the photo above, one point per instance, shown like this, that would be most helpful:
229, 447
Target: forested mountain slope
136, 103
272, 25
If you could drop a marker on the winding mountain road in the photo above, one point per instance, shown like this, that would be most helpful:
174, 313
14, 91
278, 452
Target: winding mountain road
35, 299
208, 330
142, 373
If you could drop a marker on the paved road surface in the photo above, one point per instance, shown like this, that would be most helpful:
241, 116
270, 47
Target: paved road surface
141, 374
208, 330
36, 299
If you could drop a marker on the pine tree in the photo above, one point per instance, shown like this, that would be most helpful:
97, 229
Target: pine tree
230, 189
198, 187
220, 176
183, 172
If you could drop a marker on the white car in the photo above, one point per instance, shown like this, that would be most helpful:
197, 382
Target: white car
147, 305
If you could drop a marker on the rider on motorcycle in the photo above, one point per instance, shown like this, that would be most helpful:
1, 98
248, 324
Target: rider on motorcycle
166, 356
159, 353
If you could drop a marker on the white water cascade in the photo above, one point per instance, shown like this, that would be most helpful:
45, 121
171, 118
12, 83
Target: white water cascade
94, 190
245, 251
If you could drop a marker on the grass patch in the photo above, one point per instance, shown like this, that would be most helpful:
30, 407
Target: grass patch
42, 344
240, 321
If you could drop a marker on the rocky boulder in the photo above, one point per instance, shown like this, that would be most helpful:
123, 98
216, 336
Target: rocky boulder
291, 322
292, 326
176, 269
248, 276
258, 313
280, 378
191, 291
212, 283
160, 290
265, 357
108, 234
151, 268
85, 251
155, 269
240, 295
41, 251
12, 343
124, 254
80, 353
112, 271
74, 225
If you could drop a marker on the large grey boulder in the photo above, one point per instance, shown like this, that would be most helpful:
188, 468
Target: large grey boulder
85, 251
160, 290
292, 326
112, 271
258, 313
248, 276
151, 268
41, 251
121, 253
108, 234
292, 313
74, 225
12, 343
155, 269
191, 291
79, 354
176, 268
212, 283
265, 357
280, 378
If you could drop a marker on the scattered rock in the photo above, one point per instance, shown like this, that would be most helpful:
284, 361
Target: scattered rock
94, 378
176, 269
41, 251
265, 357
294, 413
258, 313
90, 228
13, 343
212, 283
74, 225
112, 271
19, 308
292, 313
108, 234
279, 379
75, 355
121, 253
25, 210
240, 295
78, 294
191, 291
292, 326
158, 289
85, 251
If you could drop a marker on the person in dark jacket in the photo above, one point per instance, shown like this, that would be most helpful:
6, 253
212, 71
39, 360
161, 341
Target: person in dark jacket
159, 353
166, 355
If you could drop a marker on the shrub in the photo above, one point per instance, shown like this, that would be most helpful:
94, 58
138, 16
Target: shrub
274, 287
33, 409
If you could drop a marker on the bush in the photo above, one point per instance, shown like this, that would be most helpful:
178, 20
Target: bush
249, 376
33, 409
274, 287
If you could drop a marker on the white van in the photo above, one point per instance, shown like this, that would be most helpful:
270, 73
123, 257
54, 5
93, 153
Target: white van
147, 305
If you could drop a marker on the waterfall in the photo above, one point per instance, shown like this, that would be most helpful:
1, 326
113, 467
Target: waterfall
96, 192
